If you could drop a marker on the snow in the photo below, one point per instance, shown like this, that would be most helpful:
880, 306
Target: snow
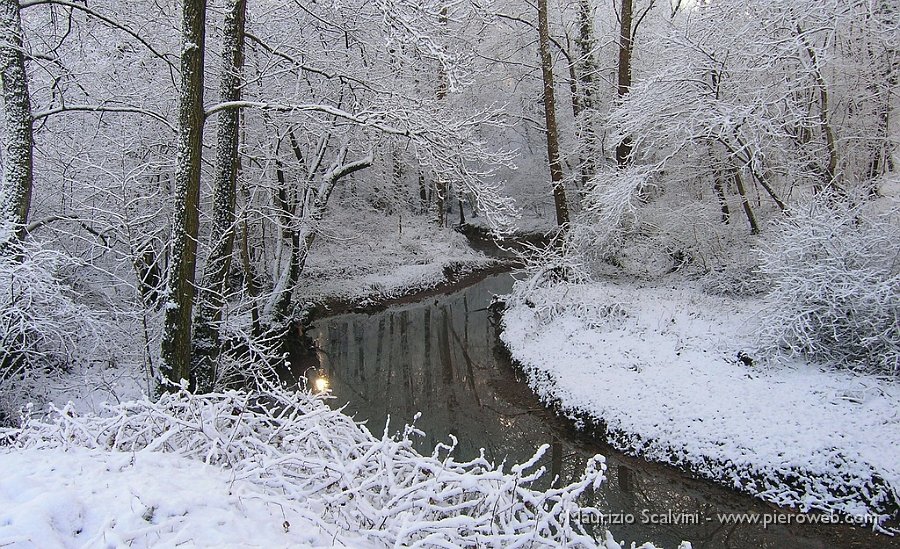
267, 468
658, 364
90, 498
369, 256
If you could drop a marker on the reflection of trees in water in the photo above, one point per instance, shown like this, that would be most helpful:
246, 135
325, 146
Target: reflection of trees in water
438, 358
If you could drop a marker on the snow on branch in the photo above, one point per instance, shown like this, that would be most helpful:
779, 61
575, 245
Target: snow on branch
302, 455
102, 108
835, 268
450, 147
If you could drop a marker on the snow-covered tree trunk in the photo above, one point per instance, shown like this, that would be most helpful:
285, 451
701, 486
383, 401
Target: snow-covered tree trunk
587, 69
176, 344
225, 182
830, 175
623, 149
439, 187
302, 238
18, 175
556, 173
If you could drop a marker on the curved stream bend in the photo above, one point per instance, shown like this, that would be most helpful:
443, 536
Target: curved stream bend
439, 357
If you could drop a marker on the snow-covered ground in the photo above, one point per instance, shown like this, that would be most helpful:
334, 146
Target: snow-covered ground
95, 498
265, 469
658, 365
371, 257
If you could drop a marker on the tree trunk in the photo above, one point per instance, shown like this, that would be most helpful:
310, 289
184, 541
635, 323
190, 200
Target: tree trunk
227, 161
719, 188
623, 149
587, 68
207, 340
176, 343
303, 237
423, 192
18, 173
745, 202
439, 195
251, 285
827, 131
556, 173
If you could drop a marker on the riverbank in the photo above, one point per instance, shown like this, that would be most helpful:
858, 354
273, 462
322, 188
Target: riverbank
656, 370
412, 262
267, 467
407, 261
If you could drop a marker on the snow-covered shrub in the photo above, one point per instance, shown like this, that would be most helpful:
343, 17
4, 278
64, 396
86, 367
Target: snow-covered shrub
42, 327
609, 214
307, 458
835, 274
740, 280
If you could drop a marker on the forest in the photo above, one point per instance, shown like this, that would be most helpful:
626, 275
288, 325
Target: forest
684, 214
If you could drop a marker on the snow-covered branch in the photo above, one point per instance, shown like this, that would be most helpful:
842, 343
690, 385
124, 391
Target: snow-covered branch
302, 454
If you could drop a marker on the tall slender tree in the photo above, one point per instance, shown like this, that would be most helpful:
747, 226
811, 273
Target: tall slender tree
623, 149
176, 344
18, 173
556, 172
587, 90
225, 180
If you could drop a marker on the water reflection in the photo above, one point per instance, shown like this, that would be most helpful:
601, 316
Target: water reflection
439, 358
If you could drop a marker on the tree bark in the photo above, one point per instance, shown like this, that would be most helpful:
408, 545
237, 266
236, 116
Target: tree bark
745, 202
227, 160
623, 149
18, 172
251, 285
587, 67
719, 189
207, 341
176, 343
556, 173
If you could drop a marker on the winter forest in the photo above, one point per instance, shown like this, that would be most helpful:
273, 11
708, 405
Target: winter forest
450, 273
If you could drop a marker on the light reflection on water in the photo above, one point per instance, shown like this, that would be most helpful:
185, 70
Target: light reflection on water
438, 357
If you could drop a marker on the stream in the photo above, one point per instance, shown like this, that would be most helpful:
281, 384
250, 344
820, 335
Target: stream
442, 357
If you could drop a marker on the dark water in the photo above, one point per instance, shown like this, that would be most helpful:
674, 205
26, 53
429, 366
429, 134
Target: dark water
440, 357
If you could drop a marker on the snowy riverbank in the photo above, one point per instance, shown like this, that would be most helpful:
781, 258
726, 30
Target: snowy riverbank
265, 469
375, 258
657, 365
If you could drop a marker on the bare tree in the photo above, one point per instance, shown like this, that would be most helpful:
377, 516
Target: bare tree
176, 344
18, 174
556, 173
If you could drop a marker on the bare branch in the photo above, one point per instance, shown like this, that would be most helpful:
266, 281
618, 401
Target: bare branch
361, 119
101, 108
111, 22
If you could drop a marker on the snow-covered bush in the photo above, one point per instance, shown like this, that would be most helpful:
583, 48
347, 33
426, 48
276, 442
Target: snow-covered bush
315, 461
42, 327
609, 214
835, 274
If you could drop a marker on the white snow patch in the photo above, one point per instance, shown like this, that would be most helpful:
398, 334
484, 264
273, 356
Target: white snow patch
658, 365
92, 498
